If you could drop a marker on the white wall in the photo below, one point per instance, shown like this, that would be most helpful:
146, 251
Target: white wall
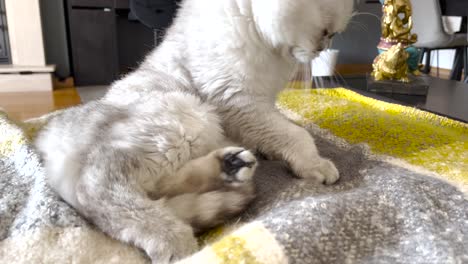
25, 32
446, 57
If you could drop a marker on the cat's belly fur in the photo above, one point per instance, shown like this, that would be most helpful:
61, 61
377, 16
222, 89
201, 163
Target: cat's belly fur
162, 136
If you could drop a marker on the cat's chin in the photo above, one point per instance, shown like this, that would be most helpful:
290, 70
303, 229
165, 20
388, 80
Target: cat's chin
302, 55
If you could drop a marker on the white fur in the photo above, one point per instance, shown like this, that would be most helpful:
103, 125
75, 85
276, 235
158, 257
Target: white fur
237, 55
216, 74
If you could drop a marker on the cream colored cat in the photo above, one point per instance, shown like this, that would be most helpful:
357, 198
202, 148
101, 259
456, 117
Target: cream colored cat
155, 160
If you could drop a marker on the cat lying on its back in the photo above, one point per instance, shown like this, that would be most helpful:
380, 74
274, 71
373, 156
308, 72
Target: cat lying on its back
155, 159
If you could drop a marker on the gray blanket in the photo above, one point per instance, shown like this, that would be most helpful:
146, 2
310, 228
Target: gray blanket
379, 212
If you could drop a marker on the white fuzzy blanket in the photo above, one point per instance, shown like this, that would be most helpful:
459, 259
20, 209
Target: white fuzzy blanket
377, 213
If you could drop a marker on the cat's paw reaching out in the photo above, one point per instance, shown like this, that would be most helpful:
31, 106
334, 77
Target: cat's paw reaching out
237, 165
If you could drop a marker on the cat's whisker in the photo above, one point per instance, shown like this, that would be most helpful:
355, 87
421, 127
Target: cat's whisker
306, 76
338, 78
317, 82
309, 76
323, 80
358, 26
294, 74
295, 71
340, 35
341, 81
366, 13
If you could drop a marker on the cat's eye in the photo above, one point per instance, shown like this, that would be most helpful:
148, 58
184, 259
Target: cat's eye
325, 32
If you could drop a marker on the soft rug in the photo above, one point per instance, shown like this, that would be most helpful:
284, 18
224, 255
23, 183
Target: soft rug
400, 198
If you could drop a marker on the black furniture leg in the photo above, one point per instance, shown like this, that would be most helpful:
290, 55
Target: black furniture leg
427, 64
465, 63
457, 68
421, 58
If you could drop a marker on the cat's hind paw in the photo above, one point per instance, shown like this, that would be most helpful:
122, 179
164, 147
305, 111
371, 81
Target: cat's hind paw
237, 165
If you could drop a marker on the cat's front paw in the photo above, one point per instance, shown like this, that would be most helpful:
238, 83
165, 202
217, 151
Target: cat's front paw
238, 165
321, 170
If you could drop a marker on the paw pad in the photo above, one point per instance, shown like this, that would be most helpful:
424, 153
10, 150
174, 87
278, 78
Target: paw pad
237, 165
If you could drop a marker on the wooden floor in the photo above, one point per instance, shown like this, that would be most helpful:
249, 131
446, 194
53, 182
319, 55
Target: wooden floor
21, 106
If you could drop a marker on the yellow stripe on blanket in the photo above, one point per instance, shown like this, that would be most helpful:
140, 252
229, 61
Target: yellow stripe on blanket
420, 138
249, 244
16, 134
11, 136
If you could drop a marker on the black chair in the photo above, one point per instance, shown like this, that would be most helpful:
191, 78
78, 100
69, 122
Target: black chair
155, 14
428, 25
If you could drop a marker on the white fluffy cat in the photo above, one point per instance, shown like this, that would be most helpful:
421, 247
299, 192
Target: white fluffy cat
151, 161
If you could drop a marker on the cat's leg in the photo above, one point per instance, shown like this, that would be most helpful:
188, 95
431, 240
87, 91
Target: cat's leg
110, 197
212, 188
206, 210
261, 126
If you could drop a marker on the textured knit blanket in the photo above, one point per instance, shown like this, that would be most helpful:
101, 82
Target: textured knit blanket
401, 199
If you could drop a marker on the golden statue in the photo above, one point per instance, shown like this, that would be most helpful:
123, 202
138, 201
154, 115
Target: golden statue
397, 57
392, 64
397, 22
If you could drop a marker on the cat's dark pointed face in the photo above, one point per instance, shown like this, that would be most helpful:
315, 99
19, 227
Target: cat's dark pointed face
302, 27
